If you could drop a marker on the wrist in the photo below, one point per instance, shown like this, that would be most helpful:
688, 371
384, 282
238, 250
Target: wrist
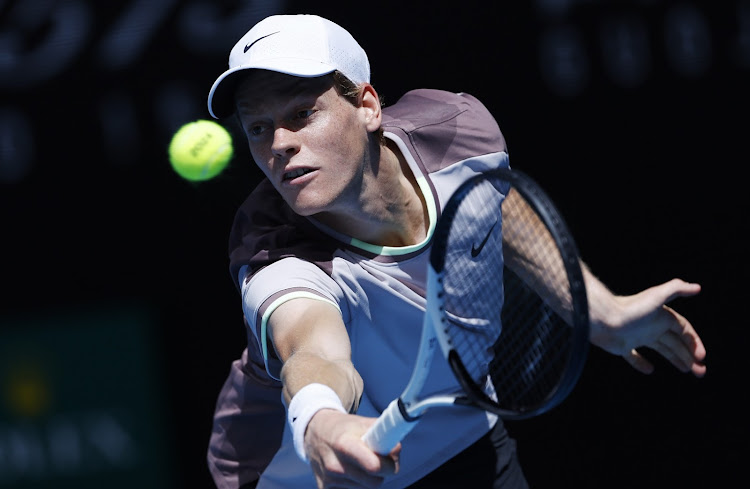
303, 406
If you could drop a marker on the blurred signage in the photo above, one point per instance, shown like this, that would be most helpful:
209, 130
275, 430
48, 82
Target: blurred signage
81, 403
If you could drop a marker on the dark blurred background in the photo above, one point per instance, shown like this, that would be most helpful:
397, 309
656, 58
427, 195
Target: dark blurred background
118, 317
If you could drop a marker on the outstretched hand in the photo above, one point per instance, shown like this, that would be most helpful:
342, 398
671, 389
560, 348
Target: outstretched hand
338, 455
621, 324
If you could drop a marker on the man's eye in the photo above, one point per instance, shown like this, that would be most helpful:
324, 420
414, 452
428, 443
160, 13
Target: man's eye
304, 114
257, 130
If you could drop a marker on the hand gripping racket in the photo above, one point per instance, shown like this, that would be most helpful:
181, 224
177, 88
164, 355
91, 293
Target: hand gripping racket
505, 301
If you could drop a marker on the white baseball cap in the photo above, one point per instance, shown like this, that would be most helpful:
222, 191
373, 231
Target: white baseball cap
301, 45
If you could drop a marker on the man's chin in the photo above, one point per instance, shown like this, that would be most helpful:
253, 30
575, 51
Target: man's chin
304, 209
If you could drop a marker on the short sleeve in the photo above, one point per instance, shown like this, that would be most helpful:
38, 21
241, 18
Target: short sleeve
276, 284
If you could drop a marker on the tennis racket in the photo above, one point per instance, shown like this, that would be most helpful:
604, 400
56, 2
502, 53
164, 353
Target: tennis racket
506, 303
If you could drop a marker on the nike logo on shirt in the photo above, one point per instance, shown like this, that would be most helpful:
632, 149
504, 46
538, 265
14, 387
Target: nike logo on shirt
475, 250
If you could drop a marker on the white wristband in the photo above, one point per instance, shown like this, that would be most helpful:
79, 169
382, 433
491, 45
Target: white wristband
305, 403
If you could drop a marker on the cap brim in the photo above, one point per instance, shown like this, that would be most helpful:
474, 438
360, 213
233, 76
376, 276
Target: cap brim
221, 97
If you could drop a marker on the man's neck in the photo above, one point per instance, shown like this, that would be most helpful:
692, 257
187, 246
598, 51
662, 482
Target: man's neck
392, 210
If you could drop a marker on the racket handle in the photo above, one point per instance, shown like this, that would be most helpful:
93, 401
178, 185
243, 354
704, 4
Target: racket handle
390, 428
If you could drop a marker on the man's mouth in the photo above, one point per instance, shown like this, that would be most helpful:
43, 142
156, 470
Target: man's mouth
291, 175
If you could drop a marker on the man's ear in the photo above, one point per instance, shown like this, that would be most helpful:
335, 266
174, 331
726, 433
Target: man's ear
369, 102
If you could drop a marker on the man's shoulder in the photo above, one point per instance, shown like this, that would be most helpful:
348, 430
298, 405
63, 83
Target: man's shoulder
440, 128
265, 229
430, 106
426, 108
433, 95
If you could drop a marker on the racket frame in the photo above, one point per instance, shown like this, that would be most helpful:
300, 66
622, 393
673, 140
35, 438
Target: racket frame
403, 413
558, 229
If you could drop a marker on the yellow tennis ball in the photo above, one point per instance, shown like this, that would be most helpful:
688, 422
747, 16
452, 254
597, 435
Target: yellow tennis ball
200, 150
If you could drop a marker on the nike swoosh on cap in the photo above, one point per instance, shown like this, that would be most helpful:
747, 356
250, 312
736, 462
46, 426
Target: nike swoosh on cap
247, 48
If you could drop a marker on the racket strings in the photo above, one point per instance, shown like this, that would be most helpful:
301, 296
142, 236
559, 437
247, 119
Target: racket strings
532, 352
535, 347
473, 284
497, 323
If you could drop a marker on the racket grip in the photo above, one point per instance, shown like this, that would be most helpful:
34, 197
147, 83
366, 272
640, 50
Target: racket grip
389, 429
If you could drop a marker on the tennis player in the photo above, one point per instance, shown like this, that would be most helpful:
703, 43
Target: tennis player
329, 253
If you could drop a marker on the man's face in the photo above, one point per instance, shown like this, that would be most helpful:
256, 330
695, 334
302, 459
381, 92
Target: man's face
310, 142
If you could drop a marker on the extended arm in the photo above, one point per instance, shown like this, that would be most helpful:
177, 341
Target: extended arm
619, 324
310, 338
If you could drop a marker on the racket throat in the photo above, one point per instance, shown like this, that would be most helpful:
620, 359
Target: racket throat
475, 396
405, 412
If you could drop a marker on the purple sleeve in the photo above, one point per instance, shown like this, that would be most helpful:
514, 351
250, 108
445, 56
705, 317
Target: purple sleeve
248, 423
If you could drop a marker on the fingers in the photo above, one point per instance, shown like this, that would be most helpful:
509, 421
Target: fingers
679, 344
676, 288
382, 465
644, 320
368, 462
352, 478
681, 355
343, 459
674, 352
687, 335
685, 347
355, 472
676, 355
639, 362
